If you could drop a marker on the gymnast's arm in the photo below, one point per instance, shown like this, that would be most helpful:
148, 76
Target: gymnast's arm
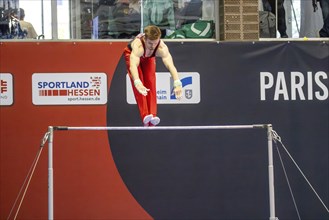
136, 52
167, 60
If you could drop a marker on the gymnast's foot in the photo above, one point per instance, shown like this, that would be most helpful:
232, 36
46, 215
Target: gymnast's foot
147, 119
154, 121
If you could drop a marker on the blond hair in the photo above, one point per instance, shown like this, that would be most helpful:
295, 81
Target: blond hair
152, 32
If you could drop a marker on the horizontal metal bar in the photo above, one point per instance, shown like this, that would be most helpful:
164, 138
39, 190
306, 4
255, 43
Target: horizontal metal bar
141, 128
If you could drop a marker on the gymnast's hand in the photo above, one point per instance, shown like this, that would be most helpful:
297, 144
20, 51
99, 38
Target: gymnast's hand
140, 87
178, 89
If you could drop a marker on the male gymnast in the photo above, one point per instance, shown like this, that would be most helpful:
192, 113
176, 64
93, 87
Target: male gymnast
140, 61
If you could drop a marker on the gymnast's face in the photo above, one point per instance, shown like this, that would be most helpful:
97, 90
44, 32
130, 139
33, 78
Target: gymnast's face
151, 44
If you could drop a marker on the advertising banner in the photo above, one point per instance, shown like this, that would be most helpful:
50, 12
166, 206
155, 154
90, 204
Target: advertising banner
69, 88
6, 89
167, 174
165, 88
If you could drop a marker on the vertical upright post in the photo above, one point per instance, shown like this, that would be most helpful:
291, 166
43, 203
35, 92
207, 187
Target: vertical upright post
42, 20
276, 18
50, 174
54, 20
142, 16
271, 172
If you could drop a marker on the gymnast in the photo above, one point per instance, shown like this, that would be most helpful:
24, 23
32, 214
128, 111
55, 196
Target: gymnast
140, 61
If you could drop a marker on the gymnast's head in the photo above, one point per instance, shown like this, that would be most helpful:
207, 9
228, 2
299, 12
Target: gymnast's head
152, 36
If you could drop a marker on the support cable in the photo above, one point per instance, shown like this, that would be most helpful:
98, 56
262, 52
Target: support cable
28, 178
276, 137
288, 182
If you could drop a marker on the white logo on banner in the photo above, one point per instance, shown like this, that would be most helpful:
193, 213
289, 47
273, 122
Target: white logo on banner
164, 85
294, 86
69, 88
6, 89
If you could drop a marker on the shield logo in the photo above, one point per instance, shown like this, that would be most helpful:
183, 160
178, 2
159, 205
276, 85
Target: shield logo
188, 93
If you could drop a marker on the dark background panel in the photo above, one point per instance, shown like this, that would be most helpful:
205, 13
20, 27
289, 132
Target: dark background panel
223, 174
